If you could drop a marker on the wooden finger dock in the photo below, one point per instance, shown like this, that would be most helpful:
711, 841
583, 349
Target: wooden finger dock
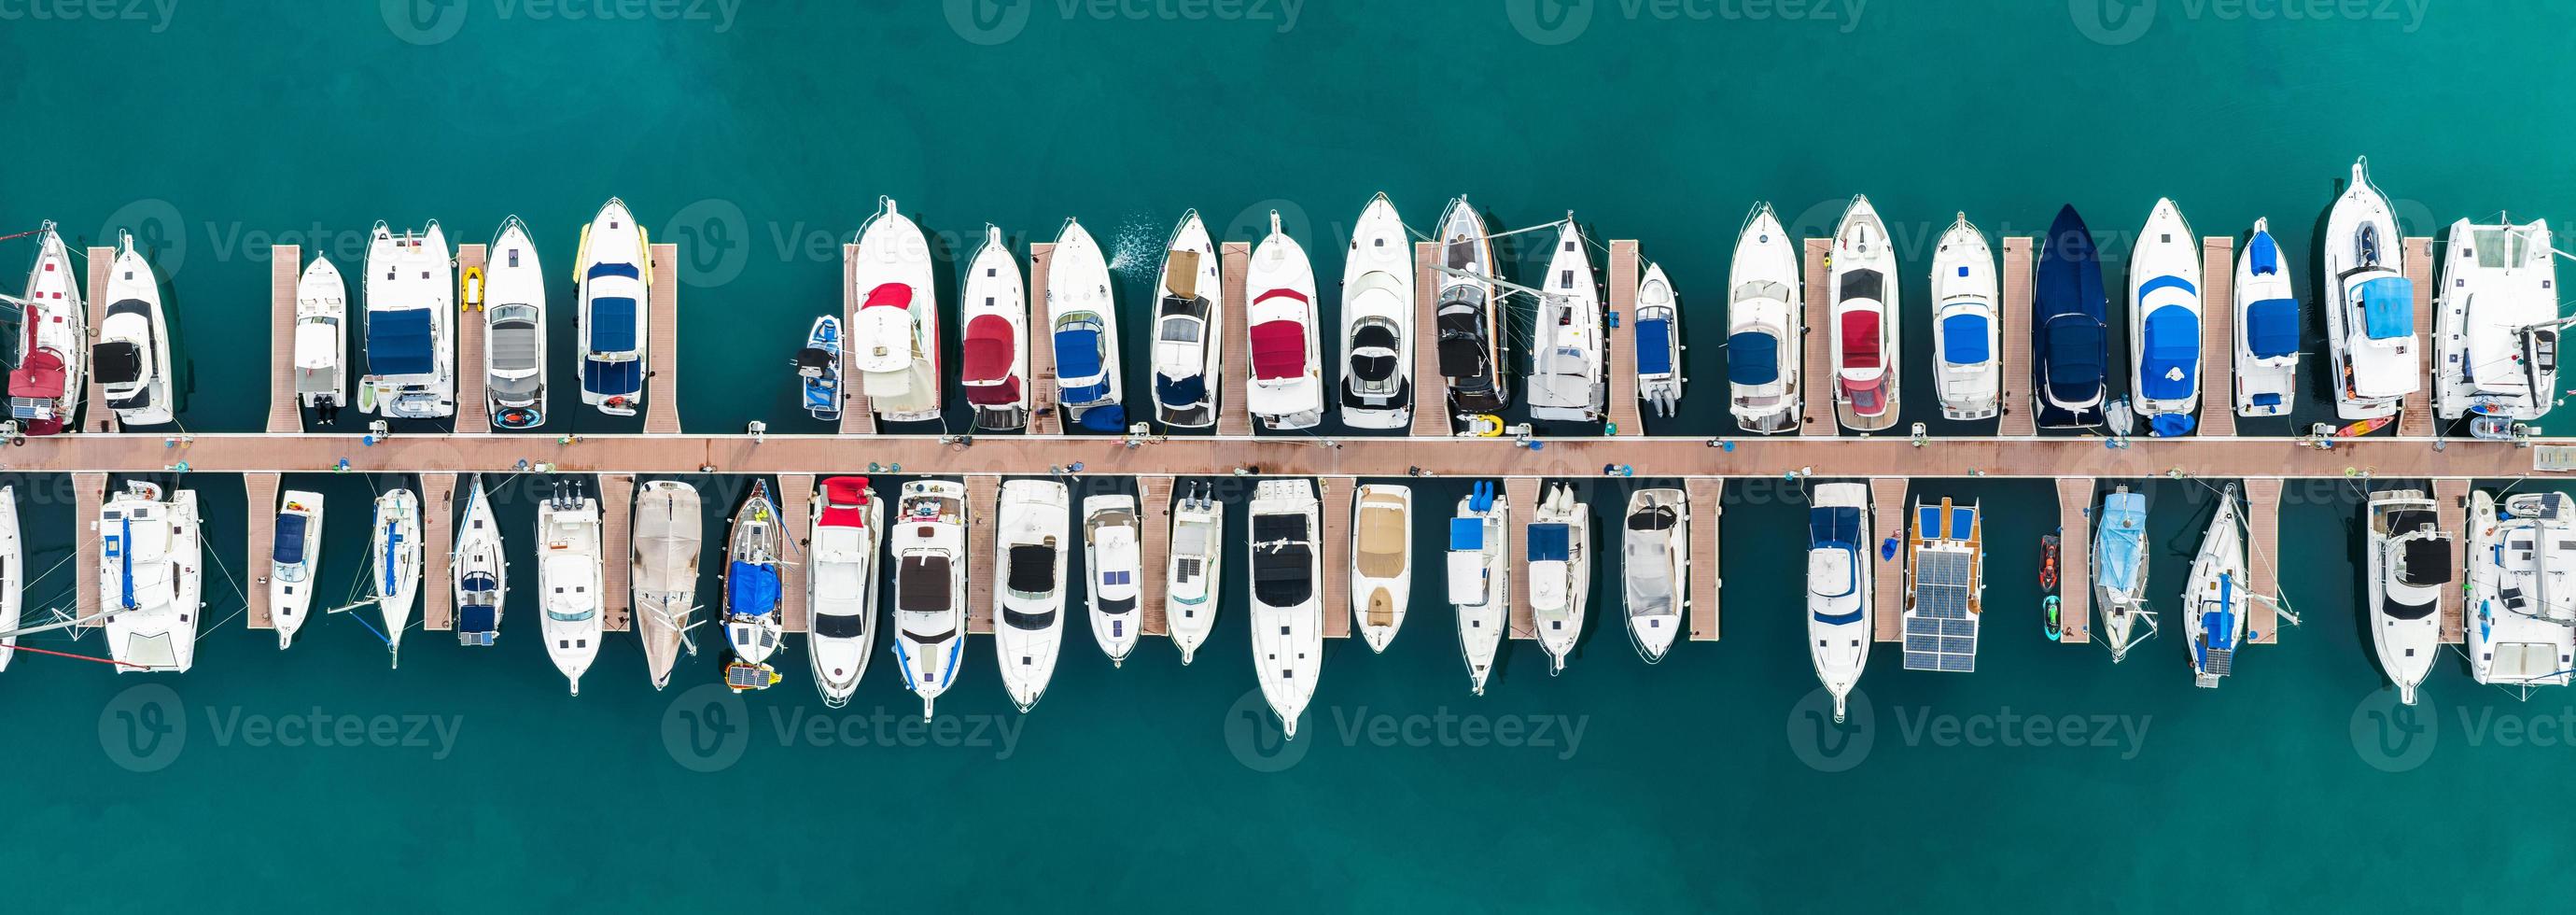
438, 548
1044, 417
96, 416
2218, 336
1625, 417
1887, 511
795, 515
1430, 388
1816, 379
473, 402
1707, 574
2074, 561
2019, 409
1234, 386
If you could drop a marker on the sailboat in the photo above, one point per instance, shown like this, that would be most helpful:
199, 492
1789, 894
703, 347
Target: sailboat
1654, 565
2520, 631
479, 572
1082, 314
1377, 321
132, 355
1566, 381
929, 551
1287, 363
2370, 304
1191, 574
1839, 627
2408, 568
394, 557
818, 369
514, 328
411, 325
1381, 562
2070, 340
1287, 598
841, 584
322, 340
1659, 342
753, 620
1861, 285
2496, 327
1967, 349
13, 573
2267, 328
662, 572
2120, 571
1480, 580
53, 342
1765, 335
2164, 330
1030, 547
2214, 600
996, 306
1469, 318
1560, 573
1945, 586
572, 582
151, 567
294, 556
1113, 558
894, 338
1188, 329
615, 272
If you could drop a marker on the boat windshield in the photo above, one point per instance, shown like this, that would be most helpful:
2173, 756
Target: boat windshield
2502, 247
840, 625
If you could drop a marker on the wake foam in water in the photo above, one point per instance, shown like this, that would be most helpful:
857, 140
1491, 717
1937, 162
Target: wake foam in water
1135, 251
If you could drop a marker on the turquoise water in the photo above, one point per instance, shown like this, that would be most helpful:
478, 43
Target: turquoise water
758, 139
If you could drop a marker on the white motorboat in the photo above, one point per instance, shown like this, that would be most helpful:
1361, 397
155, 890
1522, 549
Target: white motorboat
1560, 573
132, 355
52, 349
2495, 327
394, 559
572, 583
841, 584
1658, 338
1480, 579
2267, 328
754, 621
1839, 627
2409, 566
1654, 566
2520, 631
2370, 304
1861, 281
1566, 380
322, 340
2164, 323
1287, 596
1113, 557
1192, 573
294, 558
1967, 348
1766, 326
478, 572
514, 325
995, 376
2215, 600
1082, 316
1945, 586
411, 325
614, 269
1030, 544
150, 571
818, 369
1287, 389
2119, 572
1470, 316
1377, 321
13, 573
1381, 562
669, 536
1189, 326
894, 336
928, 545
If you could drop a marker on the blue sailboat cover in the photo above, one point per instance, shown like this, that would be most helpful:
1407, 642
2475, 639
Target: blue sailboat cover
1467, 534
290, 539
612, 324
751, 589
1752, 357
2122, 544
1550, 543
399, 342
1963, 339
1654, 346
2387, 307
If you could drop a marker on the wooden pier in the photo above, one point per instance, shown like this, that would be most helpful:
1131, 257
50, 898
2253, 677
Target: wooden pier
2451, 508
1620, 342
795, 517
89, 495
2218, 336
2019, 406
285, 270
2074, 560
983, 515
1234, 385
1707, 566
1154, 515
259, 516
617, 543
662, 343
1430, 388
2415, 412
97, 417
1523, 495
1887, 511
1338, 495
473, 406
437, 549
1816, 379
858, 416
2263, 557
1044, 417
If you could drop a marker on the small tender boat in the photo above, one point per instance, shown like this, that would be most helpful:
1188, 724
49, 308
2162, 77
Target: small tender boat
2519, 631
411, 325
1766, 330
818, 369
478, 572
662, 572
1188, 325
1480, 580
1113, 556
571, 578
1654, 562
1377, 321
2070, 340
514, 329
894, 337
2164, 333
1861, 285
322, 340
2120, 571
2048, 562
13, 574
1469, 319
753, 620
1381, 562
929, 549
1082, 314
132, 355
996, 306
151, 567
2267, 328
294, 557
1566, 381
1945, 586
52, 345
2214, 600
1287, 598
1838, 590
841, 584
1659, 342
1192, 575
1967, 350
2370, 304
394, 557
615, 272
2409, 566
2496, 327
1287, 361
1030, 545
1560, 573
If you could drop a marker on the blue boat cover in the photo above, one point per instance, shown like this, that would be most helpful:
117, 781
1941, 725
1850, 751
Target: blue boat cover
612, 324
2070, 343
473, 618
1179, 392
1927, 520
1962, 520
1837, 525
1077, 354
2121, 541
751, 589
1752, 357
1654, 347
625, 270
1550, 542
399, 342
1467, 534
2263, 254
1963, 339
2387, 307
1104, 418
2072, 346
2272, 328
612, 377
290, 538
2168, 425
2169, 362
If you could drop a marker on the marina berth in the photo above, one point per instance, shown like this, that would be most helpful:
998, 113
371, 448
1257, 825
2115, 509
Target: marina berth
2369, 304
2495, 327
478, 571
1189, 320
1287, 596
669, 538
2267, 328
571, 578
1566, 380
1470, 316
1192, 575
132, 356
411, 326
151, 572
1287, 361
1381, 562
50, 350
928, 546
322, 340
2406, 569
1967, 362
1766, 333
1480, 580
1866, 310
294, 556
514, 329
394, 563
2165, 318
1654, 566
1839, 625
1082, 313
2519, 632
2070, 339
1030, 547
848, 529
1377, 321
894, 337
1658, 339
995, 375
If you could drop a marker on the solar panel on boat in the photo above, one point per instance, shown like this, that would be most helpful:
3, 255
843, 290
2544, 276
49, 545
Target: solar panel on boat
1941, 634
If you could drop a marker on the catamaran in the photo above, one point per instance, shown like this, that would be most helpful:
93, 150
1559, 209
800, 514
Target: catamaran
662, 572
1113, 558
1082, 316
2370, 304
2070, 341
132, 356
150, 570
1945, 586
394, 558
1566, 380
1861, 275
1188, 325
2521, 632
479, 573
321, 340
2496, 327
1377, 321
1470, 319
1659, 342
1654, 562
753, 620
929, 550
2267, 328
2214, 600
1560, 573
294, 556
818, 369
2409, 566
1480, 580
411, 326
996, 306
841, 584
2164, 329
2120, 571
615, 271
1192, 574
1287, 362
1766, 332
1838, 590
514, 328
1287, 604
1381, 562
894, 337
571, 578
52, 342
1029, 551
13, 574
1967, 363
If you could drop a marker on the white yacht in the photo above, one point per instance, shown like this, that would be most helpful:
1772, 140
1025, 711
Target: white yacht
1029, 550
1967, 349
13, 573
411, 326
52, 349
1480, 579
514, 326
615, 270
2215, 600
669, 536
293, 559
2495, 327
2119, 572
1658, 338
2267, 328
1381, 562
2409, 566
151, 567
841, 584
2520, 631
1287, 359
928, 546
1566, 380
322, 340
394, 558
1766, 328
1945, 586
1654, 566
2164, 323
894, 335
2370, 304
1560, 573
479, 573
572, 582
1839, 627
1113, 558
132, 355
1861, 281
1192, 574
754, 622
995, 303
1287, 596
1082, 316
1471, 321
1189, 329
1377, 321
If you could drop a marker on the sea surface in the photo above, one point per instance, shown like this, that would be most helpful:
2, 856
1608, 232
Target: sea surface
758, 135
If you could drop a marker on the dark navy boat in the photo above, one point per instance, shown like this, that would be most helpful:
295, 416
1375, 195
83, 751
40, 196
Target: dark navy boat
2069, 337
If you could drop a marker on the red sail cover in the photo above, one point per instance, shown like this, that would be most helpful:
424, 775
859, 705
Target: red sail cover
843, 498
1278, 350
41, 375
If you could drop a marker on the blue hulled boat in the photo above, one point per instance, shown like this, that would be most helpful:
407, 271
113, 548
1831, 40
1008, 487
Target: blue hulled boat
2069, 337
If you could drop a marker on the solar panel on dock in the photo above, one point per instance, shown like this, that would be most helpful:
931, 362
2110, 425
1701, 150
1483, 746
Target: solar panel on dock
1941, 634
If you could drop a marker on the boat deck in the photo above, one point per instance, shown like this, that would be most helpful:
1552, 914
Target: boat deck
2218, 336
2074, 561
96, 417
1044, 418
1430, 388
2451, 507
1816, 378
2415, 413
1154, 513
2263, 558
662, 343
795, 514
285, 269
983, 515
617, 547
438, 548
1523, 495
1234, 390
1619, 342
2017, 404
1887, 511
1707, 558
1338, 495
858, 416
259, 499
473, 409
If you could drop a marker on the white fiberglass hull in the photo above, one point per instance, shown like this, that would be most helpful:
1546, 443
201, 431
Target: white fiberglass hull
411, 326
1560, 574
2365, 264
1030, 545
1189, 329
571, 582
1287, 355
1566, 380
928, 547
1766, 329
1377, 322
1480, 588
290, 584
514, 329
1967, 343
894, 337
321, 337
2266, 324
135, 326
995, 312
151, 573
1381, 562
1113, 563
1839, 570
1194, 571
843, 546
2165, 315
394, 555
2405, 596
1287, 605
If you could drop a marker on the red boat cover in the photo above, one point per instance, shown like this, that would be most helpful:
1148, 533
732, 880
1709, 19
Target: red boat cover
989, 349
1860, 340
843, 497
1278, 350
40, 376
894, 294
